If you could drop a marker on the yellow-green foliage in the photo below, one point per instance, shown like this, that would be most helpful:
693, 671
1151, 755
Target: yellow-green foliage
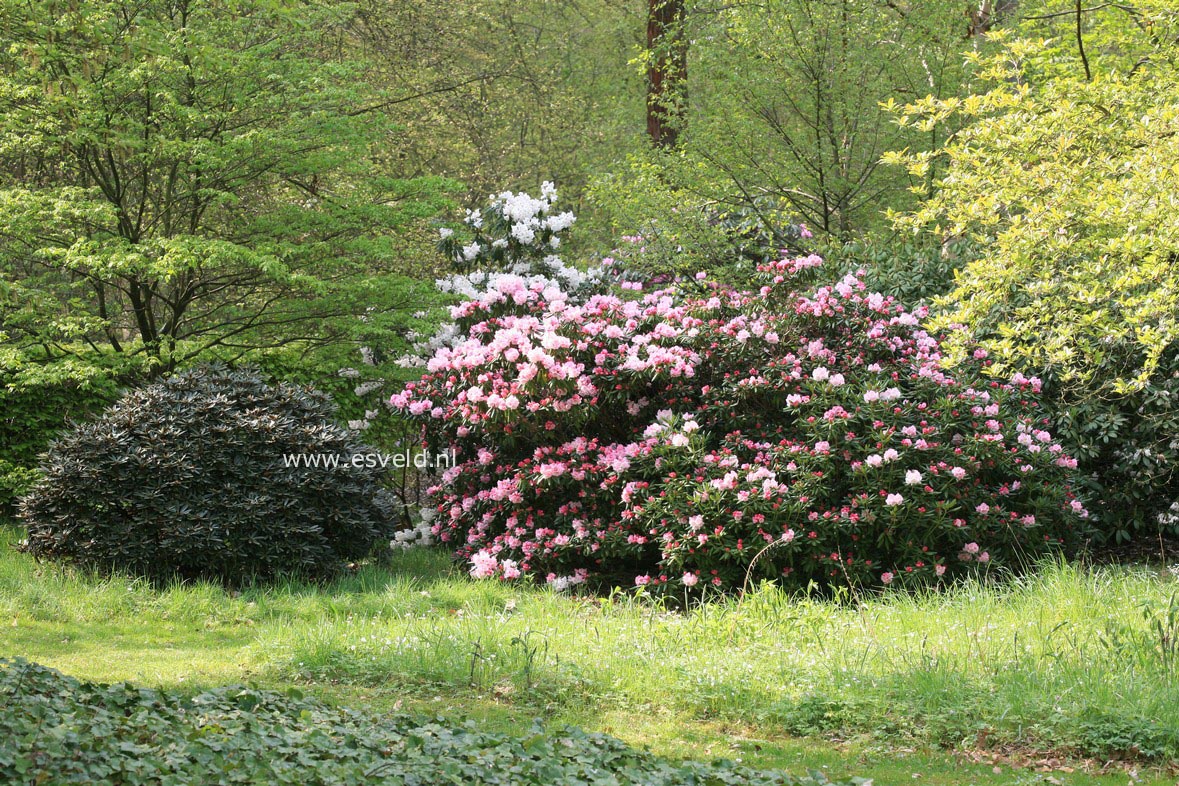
1069, 184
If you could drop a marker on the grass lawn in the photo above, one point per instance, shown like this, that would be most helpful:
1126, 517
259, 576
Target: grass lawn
1020, 683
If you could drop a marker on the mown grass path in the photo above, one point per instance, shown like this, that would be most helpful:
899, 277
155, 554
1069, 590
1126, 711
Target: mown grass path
939, 688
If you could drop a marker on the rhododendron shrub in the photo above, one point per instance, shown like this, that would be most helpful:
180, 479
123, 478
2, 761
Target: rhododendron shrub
514, 232
697, 438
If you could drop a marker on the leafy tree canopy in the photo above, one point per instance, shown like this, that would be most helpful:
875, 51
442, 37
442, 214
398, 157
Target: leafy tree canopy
785, 102
180, 177
1068, 184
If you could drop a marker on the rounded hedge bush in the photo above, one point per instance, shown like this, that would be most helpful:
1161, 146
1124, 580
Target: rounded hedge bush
190, 478
700, 435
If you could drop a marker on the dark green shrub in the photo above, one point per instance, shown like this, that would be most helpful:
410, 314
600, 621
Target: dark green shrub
1127, 446
190, 477
54, 729
360, 390
914, 271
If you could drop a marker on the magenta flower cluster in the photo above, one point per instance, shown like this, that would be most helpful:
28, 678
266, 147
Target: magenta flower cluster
693, 437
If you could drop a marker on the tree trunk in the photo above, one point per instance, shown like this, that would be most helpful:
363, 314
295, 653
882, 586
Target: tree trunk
667, 73
988, 14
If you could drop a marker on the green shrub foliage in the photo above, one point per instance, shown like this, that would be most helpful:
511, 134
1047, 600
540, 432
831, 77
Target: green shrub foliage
38, 401
54, 729
189, 478
914, 271
1127, 445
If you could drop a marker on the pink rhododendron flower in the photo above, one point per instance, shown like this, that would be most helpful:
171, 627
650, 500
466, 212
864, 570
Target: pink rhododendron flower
483, 565
569, 413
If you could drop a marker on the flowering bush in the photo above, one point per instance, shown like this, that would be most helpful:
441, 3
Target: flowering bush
515, 233
683, 439
514, 238
512, 245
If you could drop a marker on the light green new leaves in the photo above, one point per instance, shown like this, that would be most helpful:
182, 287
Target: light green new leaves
784, 101
179, 175
1069, 186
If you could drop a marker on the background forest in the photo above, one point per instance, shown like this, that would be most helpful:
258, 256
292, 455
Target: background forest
812, 368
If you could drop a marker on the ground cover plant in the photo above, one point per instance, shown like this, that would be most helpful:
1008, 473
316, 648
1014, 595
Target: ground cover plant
57, 728
703, 435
